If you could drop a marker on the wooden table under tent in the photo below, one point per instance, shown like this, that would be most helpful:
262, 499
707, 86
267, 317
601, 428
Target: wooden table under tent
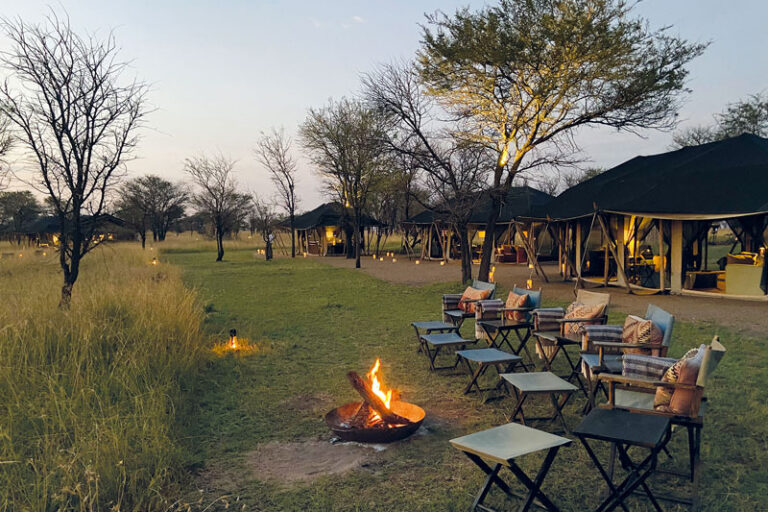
649, 223
326, 230
522, 234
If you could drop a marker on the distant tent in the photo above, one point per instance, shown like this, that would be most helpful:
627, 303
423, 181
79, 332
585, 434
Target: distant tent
521, 220
323, 231
663, 206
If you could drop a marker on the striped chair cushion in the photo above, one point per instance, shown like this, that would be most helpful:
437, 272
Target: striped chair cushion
486, 310
638, 366
546, 318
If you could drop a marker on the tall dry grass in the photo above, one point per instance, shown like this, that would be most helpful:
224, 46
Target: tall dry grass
91, 398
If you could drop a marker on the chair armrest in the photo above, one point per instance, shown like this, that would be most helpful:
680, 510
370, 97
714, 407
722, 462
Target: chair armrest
516, 309
643, 383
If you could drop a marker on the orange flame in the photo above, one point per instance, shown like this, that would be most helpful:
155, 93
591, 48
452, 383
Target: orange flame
377, 388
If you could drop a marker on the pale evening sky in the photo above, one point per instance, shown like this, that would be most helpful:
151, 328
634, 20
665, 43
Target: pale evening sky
222, 71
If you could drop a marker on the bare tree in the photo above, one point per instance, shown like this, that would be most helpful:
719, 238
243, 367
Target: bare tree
274, 152
6, 141
77, 117
525, 75
344, 140
453, 171
217, 197
264, 221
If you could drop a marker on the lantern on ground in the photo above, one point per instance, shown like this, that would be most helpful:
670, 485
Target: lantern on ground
233, 339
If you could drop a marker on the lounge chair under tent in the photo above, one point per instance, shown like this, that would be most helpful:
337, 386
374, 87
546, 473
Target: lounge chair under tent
603, 349
556, 329
643, 387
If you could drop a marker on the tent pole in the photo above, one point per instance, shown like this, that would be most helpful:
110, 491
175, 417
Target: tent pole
662, 259
579, 279
528, 246
612, 246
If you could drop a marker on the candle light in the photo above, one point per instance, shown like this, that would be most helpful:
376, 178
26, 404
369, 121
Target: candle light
418, 262
442, 263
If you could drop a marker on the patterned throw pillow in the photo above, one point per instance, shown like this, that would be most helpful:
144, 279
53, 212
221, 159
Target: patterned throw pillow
469, 297
664, 395
577, 310
516, 301
683, 399
641, 331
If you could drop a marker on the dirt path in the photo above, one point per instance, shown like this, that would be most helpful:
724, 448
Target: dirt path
751, 317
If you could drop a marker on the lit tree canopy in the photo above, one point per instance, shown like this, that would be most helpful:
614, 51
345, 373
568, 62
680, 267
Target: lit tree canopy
524, 74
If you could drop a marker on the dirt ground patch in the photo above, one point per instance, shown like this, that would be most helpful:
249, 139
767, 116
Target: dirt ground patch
305, 461
747, 316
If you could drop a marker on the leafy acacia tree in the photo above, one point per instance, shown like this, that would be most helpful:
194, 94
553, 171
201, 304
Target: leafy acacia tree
77, 116
746, 116
344, 140
525, 74
217, 197
17, 208
274, 152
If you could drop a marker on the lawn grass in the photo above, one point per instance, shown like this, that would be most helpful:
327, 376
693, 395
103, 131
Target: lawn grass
312, 323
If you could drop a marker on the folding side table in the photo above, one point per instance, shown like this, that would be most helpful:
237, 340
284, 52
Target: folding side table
498, 332
624, 429
501, 446
483, 359
429, 327
432, 343
540, 383
560, 344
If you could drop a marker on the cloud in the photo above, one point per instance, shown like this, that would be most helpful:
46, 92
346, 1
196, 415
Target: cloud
358, 19
316, 23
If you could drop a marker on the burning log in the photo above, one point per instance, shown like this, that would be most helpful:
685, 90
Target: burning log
374, 401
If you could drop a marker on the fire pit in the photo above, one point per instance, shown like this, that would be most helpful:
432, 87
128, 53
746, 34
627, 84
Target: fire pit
379, 418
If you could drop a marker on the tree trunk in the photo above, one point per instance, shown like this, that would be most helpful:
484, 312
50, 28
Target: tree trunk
71, 271
466, 253
268, 251
356, 238
293, 236
219, 244
489, 244
143, 236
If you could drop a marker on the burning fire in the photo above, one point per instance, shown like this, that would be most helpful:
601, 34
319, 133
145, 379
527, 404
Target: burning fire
376, 387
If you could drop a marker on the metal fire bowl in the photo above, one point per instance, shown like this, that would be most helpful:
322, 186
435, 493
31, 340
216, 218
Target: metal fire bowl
337, 418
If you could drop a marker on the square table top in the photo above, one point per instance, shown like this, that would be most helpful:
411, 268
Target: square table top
617, 425
434, 325
538, 382
488, 355
496, 325
504, 443
458, 313
445, 338
556, 337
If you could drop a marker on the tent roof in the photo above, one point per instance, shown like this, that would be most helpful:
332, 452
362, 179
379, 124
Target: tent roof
52, 224
727, 178
521, 202
328, 214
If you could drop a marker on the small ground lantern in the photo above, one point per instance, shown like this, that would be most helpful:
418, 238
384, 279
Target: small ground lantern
233, 339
